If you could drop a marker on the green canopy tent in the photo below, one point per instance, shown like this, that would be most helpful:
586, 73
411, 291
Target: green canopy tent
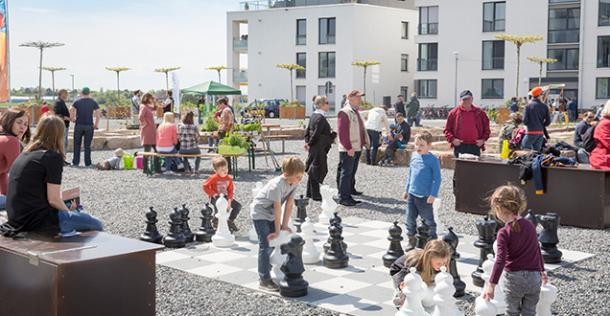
210, 88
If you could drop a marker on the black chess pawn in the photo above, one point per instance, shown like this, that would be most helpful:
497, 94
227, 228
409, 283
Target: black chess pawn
530, 216
335, 257
175, 238
423, 235
301, 205
548, 237
395, 250
186, 229
293, 284
452, 239
336, 220
152, 233
487, 235
206, 231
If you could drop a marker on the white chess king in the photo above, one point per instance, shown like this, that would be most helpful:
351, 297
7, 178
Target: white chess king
222, 238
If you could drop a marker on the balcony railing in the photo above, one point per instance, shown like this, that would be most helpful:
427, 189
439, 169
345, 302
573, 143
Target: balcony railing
428, 28
240, 76
271, 4
240, 43
427, 64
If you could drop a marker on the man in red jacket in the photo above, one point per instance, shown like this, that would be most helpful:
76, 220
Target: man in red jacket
467, 127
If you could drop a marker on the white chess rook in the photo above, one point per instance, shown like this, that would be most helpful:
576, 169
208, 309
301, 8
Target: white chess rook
412, 289
444, 302
548, 295
277, 258
223, 237
328, 204
311, 254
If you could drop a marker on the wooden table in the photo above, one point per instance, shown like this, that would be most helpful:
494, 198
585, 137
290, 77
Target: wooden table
581, 196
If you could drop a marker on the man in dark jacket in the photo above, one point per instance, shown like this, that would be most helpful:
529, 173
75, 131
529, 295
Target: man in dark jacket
61, 110
399, 106
319, 137
572, 109
536, 118
579, 132
412, 109
467, 127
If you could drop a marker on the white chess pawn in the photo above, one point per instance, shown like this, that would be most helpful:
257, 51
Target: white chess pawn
548, 295
443, 295
277, 258
328, 204
252, 236
311, 255
499, 299
483, 307
412, 286
222, 238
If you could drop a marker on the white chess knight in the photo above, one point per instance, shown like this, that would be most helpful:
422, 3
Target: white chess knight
311, 254
412, 289
222, 238
277, 258
252, 236
328, 203
548, 295
444, 302
499, 300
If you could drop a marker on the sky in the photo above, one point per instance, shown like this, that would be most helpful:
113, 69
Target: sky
139, 34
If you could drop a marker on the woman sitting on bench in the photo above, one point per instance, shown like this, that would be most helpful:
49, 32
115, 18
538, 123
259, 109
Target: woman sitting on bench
167, 139
34, 201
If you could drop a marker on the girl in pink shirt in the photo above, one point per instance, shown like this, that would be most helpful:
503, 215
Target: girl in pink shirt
167, 139
13, 129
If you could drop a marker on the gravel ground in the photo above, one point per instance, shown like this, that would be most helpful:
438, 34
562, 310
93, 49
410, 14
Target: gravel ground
120, 199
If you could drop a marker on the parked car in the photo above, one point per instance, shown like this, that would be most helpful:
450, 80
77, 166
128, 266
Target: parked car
271, 106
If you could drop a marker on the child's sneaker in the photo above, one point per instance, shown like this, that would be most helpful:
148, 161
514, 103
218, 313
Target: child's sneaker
268, 285
232, 227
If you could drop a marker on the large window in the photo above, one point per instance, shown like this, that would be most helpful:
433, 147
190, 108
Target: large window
564, 25
603, 51
492, 89
404, 62
404, 31
428, 57
301, 32
327, 31
426, 89
301, 61
602, 88
493, 55
326, 65
604, 13
567, 59
494, 16
301, 94
404, 91
428, 20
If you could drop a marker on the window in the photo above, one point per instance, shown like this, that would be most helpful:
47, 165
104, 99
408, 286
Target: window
405, 30
564, 25
404, 91
301, 94
301, 61
494, 16
326, 65
562, 1
493, 55
404, 62
428, 54
428, 20
602, 88
567, 59
492, 89
603, 51
301, 32
327, 31
330, 96
604, 13
426, 89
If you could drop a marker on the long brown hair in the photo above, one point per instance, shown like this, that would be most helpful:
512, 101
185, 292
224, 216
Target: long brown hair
49, 135
7, 120
508, 199
148, 99
421, 259
188, 118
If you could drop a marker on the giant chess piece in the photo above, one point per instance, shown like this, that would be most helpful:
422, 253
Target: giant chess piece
301, 205
422, 236
412, 290
335, 257
548, 295
311, 255
223, 237
337, 221
483, 307
499, 299
530, 216
175, 238
186, 229
252, 235
152, 233
328, 203
548, 237
452, 240
487, 234
395, 250
444, 302
206, 231
277, 258
293, 284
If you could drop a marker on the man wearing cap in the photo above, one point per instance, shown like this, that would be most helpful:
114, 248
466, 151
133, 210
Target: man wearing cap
536, 118
352, 138
467, 127
82, 113
399, 106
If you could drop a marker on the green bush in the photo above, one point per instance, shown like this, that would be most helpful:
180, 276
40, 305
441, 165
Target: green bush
366, 105
236, 140
209, 125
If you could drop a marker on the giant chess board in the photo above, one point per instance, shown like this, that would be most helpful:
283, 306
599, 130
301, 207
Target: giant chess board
363, 288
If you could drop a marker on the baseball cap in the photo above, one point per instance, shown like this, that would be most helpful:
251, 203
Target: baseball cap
86, 90
355, 93
465, 94
536, 92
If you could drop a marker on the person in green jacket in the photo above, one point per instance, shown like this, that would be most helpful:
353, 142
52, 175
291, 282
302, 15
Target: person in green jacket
412, 110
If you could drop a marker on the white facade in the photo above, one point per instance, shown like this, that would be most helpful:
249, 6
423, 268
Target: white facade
363, 32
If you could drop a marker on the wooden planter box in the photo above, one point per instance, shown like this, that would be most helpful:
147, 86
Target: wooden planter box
292, 112
502, 116
118, 112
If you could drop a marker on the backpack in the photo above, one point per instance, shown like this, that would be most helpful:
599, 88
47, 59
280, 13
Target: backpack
588, 142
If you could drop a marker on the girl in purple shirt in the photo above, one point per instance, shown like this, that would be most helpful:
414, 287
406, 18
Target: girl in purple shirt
518, 254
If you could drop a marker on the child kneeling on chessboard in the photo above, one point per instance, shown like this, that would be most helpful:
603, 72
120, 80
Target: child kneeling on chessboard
113, 163
427, 262
222, 183
266, 213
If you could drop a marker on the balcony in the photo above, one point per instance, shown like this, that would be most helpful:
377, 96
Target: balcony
240, 76
240, 44
427, 64
272, 4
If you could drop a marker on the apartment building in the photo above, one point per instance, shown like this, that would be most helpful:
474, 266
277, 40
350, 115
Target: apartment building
325, 37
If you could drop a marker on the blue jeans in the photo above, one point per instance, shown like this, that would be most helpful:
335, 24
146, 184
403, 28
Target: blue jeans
533, 142
194, 151
371, 154
419, 206
583, 156
66, 130
347, 175
2, 202
79, 221
81, 131
263, 229
170, 161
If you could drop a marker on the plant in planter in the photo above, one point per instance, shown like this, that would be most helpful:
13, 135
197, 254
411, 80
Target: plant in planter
209, 125
292, 110
233, 144
291, 68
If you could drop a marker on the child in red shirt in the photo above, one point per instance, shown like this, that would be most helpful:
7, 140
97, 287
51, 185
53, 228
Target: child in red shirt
222, 183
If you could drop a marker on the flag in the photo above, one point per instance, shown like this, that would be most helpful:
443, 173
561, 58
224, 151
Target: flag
4, 69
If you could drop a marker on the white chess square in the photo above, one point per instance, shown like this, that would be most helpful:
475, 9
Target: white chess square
378, 233
222, 256
339, 285
215, 270
376, 225
332, 272
378, 243
167, 256
344, 303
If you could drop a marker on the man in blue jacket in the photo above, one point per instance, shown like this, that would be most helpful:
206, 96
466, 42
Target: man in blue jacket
535, 119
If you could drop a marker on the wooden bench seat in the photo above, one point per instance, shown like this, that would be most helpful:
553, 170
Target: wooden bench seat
282, 138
